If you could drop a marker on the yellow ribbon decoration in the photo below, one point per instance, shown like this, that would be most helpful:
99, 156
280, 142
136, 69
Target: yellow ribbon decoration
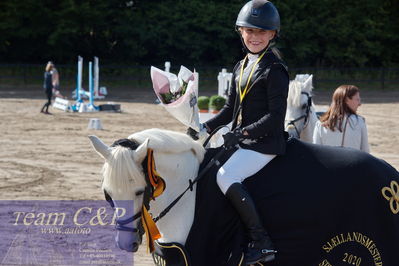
151, 230
158, 184
245, 92
394, 197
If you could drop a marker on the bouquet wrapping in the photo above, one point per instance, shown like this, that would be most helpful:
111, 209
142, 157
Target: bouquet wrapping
178, 94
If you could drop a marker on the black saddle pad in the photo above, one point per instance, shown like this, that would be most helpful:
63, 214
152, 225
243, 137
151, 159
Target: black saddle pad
317, 203
171, 254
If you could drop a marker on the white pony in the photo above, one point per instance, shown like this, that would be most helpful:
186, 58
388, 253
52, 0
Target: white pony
301, 116
177, 156
315, 209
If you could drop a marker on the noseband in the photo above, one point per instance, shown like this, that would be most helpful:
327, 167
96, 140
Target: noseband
304, 116
121, 224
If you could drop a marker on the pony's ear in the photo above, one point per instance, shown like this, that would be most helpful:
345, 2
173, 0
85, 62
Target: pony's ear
100, 147
141, 152
308, 82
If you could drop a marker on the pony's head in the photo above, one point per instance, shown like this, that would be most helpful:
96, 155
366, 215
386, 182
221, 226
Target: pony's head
124, 180
299, 104
124, 184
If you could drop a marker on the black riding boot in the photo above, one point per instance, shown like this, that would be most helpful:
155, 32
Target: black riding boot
261, 247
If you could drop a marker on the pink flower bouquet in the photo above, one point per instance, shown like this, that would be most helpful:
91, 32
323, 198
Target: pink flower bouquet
178, 94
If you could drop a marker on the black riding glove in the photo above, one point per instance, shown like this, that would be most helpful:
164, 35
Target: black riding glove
196, 135
232, 138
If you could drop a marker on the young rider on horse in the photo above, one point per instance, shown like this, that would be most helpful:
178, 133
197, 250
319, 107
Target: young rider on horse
256, 105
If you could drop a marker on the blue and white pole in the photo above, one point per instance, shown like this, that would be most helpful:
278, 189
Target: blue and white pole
79, 80
78, 90
91, 105
96, 74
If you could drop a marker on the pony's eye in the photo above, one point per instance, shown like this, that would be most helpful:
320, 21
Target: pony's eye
304, 106
140, 192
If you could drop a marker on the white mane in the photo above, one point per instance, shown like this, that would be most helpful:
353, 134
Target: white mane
301, 83
169, 141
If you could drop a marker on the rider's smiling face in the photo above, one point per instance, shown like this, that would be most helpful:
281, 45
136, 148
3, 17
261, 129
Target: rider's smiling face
256, 39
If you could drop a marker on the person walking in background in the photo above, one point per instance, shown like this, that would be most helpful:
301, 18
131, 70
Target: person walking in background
55, 80
341, 125
48, 86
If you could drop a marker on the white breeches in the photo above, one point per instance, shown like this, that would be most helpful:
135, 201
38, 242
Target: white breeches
241, 165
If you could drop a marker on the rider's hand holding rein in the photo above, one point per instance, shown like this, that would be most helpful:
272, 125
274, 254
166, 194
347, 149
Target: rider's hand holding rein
197, 135
233, 138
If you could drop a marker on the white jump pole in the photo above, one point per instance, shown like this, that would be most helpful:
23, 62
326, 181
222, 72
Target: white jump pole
91, 83
167, 66
79, 80
91, 105
224, 81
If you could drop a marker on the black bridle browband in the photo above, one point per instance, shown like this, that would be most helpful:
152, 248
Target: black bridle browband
304, 116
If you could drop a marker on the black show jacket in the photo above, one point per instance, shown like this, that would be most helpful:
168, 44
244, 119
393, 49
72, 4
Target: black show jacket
263, 108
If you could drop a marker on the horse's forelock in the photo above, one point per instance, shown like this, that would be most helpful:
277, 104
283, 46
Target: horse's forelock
120, 171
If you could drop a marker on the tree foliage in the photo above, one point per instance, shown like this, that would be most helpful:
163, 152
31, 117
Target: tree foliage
324, 33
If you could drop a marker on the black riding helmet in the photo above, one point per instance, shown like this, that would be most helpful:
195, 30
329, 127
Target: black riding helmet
259, 14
